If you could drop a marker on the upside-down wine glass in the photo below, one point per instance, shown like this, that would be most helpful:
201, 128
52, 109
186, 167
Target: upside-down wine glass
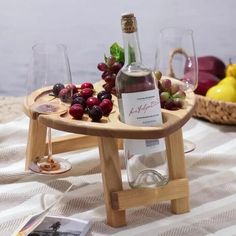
176, 58
49, 66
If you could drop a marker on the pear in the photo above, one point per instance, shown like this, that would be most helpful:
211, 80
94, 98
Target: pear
222, 92
231, 69
230, 80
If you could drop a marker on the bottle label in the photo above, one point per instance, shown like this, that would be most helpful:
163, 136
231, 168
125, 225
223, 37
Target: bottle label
143, 109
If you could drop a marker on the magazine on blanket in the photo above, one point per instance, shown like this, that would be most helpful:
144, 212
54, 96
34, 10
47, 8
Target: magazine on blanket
58, 225
43, 224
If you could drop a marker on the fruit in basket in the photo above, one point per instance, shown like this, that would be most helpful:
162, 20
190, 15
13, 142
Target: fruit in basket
205, 81
231, 69
212, 65
230, 80
222, 92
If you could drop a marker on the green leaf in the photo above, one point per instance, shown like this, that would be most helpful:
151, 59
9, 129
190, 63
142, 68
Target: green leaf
117, 52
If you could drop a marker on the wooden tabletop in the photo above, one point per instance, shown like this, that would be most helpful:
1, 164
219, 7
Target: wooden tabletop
111, 126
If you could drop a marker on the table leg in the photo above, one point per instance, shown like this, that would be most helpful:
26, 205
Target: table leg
177, 169
111, 176
36, 141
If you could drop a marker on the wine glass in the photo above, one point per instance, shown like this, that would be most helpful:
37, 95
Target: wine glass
49, 66
176, 58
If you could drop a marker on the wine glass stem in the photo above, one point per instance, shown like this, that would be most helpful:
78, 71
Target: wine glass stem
49, 143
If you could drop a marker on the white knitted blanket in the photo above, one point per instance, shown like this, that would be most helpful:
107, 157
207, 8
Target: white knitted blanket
211, 170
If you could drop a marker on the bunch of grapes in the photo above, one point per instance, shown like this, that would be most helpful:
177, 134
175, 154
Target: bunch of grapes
171, 95
109, 69
85, 101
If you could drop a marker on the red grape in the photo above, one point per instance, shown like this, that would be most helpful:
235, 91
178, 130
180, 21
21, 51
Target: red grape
113, 90
104, 74
110, 79
110, 61
76, 111
57, 88
86, 85
65, 95
106, 96
108, 87
75, 95
72, 87
106, 106
86, 93
115, 68
170, 105
102, 93
166, 84
91, 101
95, 113
178, 102
79, 100
102, 66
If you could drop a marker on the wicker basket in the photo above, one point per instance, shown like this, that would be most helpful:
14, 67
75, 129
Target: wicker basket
215, 111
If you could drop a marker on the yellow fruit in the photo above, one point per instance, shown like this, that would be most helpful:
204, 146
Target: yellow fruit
231, 70
223, 92
229, 80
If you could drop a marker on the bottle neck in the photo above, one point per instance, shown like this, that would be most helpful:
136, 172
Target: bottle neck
132, 48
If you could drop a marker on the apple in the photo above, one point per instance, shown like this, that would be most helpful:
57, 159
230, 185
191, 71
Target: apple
205, 81
212, 65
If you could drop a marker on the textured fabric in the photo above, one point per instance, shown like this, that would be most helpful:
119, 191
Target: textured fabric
211, 170
10, 108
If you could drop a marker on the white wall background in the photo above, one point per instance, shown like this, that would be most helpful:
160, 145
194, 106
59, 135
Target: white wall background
89, 27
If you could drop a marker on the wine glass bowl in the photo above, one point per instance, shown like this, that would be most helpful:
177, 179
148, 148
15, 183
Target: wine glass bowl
176, 58
49, 66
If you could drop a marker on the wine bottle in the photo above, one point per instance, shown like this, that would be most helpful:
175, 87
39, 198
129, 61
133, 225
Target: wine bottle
139, 104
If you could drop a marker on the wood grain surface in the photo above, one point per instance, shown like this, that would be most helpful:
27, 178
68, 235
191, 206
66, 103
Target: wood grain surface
111, 126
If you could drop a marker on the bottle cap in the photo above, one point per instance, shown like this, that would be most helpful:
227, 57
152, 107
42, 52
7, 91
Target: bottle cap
128, 23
